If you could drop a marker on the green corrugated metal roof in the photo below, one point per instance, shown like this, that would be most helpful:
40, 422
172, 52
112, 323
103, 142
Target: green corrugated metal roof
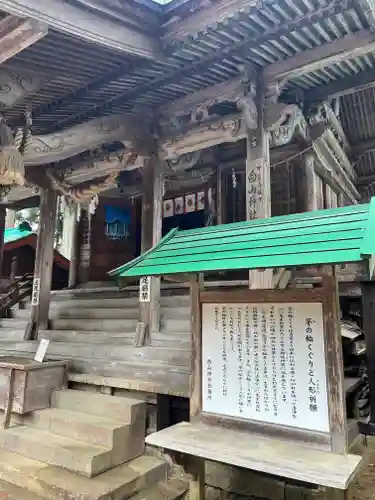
334, 236
16, 233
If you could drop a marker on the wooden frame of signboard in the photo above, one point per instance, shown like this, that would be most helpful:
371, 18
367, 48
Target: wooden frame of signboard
335, 439
224, 437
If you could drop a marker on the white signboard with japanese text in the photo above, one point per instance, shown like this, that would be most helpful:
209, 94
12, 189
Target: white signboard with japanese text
265, 362
144, 289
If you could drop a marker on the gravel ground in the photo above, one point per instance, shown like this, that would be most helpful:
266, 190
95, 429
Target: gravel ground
364, 489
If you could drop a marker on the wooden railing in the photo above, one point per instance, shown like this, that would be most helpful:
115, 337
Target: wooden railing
14, 289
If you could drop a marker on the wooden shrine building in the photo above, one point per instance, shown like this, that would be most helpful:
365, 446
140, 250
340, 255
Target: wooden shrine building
137, 118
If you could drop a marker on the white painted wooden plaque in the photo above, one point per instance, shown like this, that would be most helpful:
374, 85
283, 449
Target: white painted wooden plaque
265, 362
144, 289
35, 292
42, 350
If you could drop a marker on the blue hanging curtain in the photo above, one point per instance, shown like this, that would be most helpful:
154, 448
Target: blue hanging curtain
117, 222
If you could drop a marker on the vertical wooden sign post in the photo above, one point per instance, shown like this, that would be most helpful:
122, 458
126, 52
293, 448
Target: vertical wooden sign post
152, 207
41, 293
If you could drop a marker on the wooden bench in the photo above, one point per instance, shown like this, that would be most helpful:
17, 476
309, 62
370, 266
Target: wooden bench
259, 453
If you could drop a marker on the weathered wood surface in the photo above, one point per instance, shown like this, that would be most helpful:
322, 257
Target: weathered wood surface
54, 147
31, 383
259, 453
258, 177
44, 260
304, 62
334, 367
86, 24
19, 83
310, 184
16, 34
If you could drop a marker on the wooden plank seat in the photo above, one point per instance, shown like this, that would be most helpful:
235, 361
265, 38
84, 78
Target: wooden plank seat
252, 451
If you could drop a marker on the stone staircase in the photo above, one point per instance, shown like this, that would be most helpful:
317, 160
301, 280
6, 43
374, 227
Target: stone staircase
95, 330
87, 446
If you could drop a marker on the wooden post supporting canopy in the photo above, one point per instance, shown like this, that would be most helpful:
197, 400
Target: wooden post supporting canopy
74, 251
41, 294
368, 314
197, 466
258, 178
2, 229
152, 205
310, 183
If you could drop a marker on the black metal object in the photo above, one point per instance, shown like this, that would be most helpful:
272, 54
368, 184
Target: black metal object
368, 308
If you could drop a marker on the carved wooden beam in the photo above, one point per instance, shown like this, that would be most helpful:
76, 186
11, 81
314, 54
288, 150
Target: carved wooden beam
16, 84
55, 147
220, 130
16, 34
85, 24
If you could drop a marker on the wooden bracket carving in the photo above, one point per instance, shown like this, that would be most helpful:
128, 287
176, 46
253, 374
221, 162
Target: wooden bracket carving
85, 192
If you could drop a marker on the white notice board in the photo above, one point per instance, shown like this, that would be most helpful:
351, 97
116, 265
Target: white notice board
265, 362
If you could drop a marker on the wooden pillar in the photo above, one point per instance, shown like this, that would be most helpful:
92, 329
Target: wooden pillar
258, 178
197, 466
152, 219
84, 247
368, 312
44, 261
310, 183
74, 250
2, 229
10, 220
220, 219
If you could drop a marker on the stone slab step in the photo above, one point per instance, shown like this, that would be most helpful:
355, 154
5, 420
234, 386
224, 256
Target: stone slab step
87, 337
81, 426
11, 334
173, 489
176, 324
12, 492
99, 313
117, 325
124, 356
13, 323
60, 451
52, 483
115, 301
124, 410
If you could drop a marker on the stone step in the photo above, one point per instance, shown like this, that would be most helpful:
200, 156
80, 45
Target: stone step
178, 312
92, 313
60, 451
87, 337
12, 492
52, 483
173, 489
90, 429
117, 325
11, 334
176, 324
115, 302
117, 353
13, 323
124, 410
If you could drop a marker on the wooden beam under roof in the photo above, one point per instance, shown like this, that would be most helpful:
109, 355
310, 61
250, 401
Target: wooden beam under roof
362, 147
86, 25
308, 61
344, 86
16, 34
